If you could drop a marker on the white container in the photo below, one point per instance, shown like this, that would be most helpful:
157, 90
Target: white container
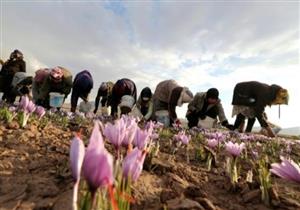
56, 99
1, 94
208, 122
162, 116
86, 107
127, 101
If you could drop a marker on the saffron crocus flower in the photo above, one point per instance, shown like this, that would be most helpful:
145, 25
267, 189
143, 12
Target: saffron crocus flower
133, 164
27, 107
182, 137
98, 169
40, 111
115, 133
130, 129
141, 138
246, 137
76, 158
234, 149
287, 169
96, 139
30, 107
212, 143
23, 103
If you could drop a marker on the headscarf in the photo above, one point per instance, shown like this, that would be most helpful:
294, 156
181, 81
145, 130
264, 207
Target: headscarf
56, 74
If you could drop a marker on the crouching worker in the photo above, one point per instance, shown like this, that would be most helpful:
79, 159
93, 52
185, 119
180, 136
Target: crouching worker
104, 92
55, 81
82, 85
21, 86
144, 105
249, 101
123, 87
204, 110
167, 95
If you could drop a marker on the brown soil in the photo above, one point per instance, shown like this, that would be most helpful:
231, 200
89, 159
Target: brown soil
35, 174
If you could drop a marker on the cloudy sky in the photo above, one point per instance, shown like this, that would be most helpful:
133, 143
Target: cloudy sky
200, 44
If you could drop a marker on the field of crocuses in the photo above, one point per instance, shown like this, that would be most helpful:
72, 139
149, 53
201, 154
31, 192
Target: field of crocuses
60, 160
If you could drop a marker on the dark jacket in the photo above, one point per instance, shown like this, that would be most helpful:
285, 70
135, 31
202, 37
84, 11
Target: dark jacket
122, 87
82, 85
257, 95
8, 70
196, 106
13, 66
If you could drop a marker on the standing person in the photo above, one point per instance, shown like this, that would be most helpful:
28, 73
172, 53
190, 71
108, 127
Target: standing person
144, 103
167, 95
206, 107
14, 64
249, 101
104, 91
58, 80
82, 85
123, 87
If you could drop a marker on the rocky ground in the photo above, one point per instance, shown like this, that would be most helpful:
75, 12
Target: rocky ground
35, 174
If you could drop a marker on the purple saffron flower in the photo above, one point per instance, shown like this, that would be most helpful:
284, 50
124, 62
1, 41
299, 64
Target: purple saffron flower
212, 143
287, 169
23, 103
30, 107
246, 137
182, 137
98, 163
40, 111
133, 164
98, 168
96, 139
130, 129
76, 158
234, 149
115, 133
141, 138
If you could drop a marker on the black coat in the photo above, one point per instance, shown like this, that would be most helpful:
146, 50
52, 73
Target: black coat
261, 95
122, 87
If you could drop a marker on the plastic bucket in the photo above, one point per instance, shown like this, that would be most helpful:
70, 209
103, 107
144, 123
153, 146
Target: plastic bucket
86, 107
208, 122
162, 116
127, 101
56, 99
